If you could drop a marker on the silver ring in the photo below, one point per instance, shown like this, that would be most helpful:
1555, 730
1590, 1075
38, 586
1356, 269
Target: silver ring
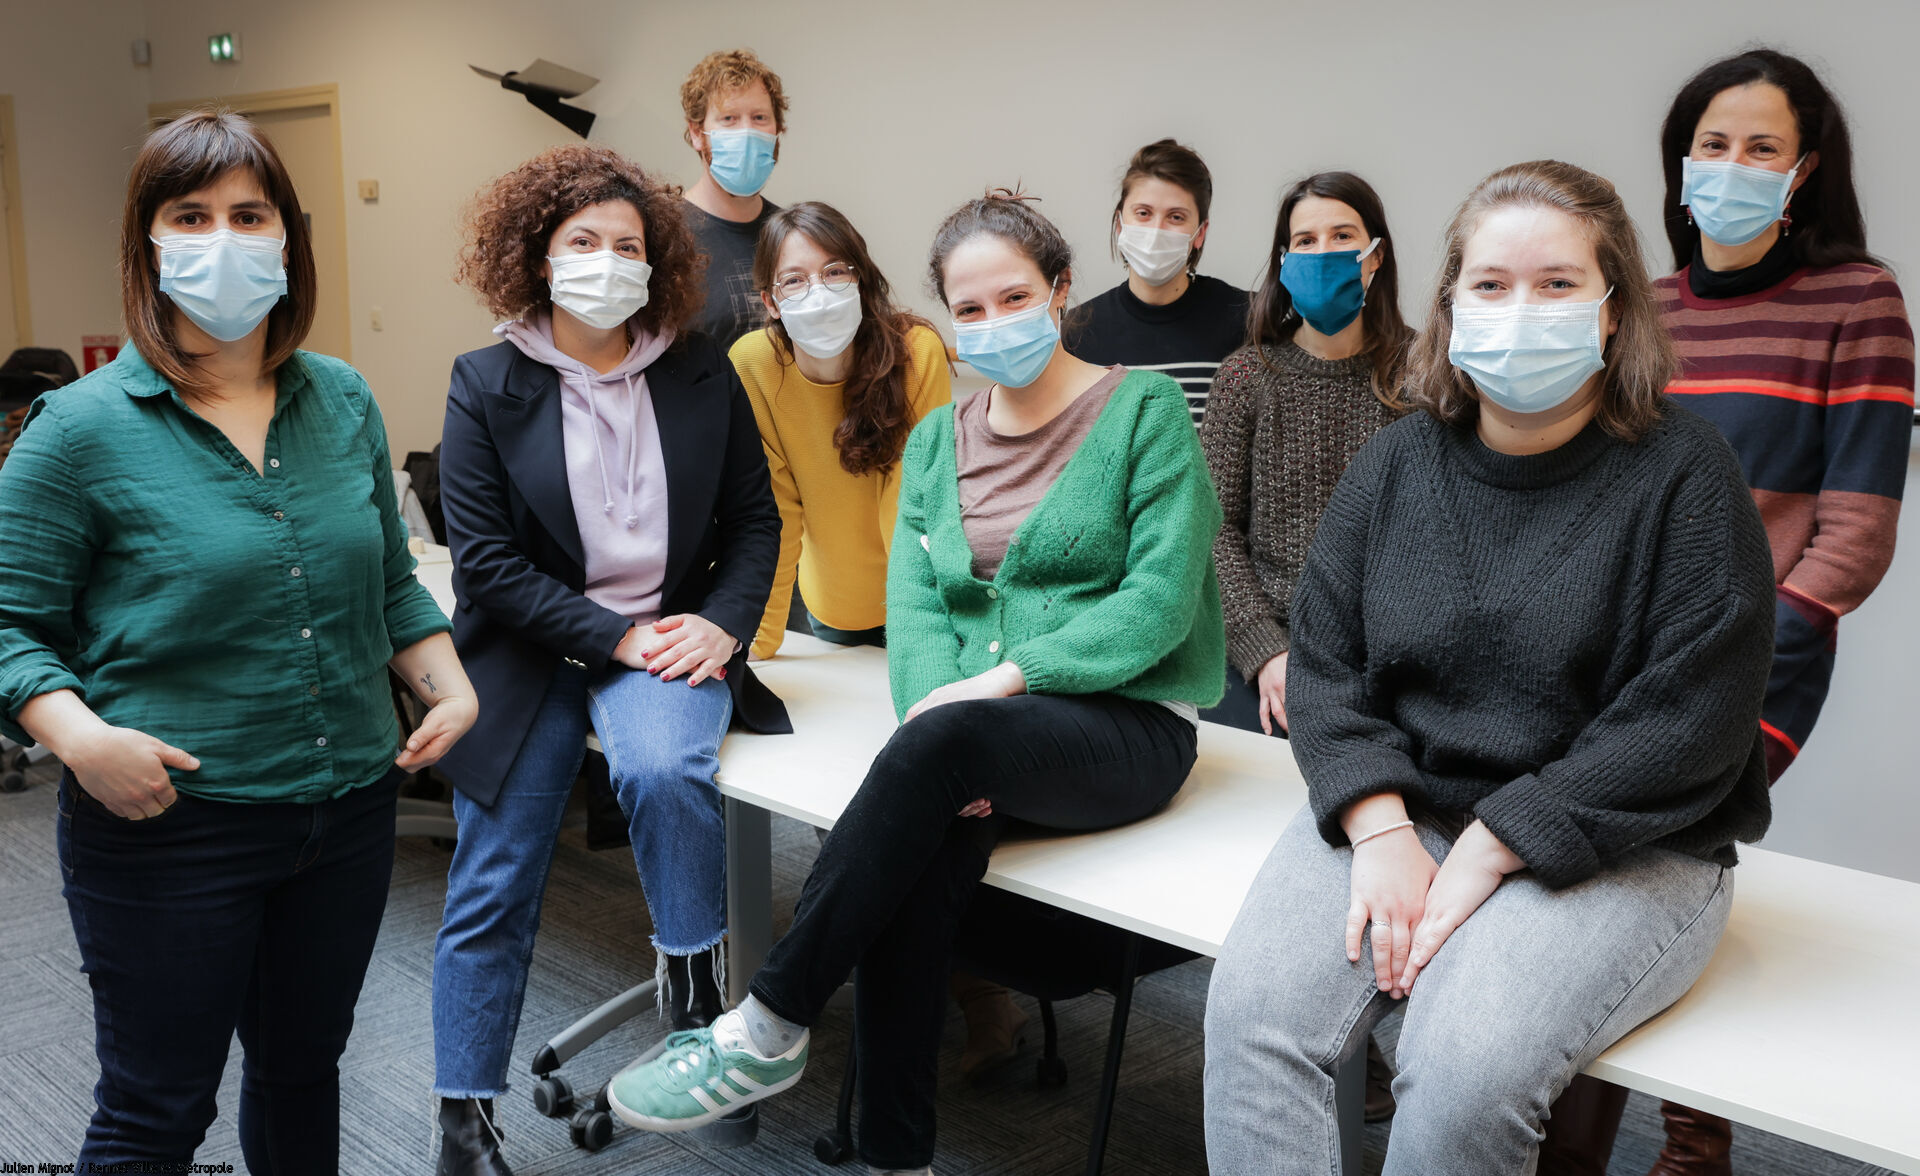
1388, 926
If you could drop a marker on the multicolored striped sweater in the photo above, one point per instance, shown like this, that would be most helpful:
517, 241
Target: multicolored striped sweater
1811, 380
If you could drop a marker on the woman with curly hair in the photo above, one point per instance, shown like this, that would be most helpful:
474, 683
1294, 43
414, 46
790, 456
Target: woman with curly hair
614, 537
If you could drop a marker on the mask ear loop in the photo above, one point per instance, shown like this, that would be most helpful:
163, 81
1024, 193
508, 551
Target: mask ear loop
1786, 206
1366, 282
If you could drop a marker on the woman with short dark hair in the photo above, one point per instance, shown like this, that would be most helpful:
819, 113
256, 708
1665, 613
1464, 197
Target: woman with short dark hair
207, 579
1167, 317
1529, 647
614, 538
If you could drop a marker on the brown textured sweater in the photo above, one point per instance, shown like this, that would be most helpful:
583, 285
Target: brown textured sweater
1278, 435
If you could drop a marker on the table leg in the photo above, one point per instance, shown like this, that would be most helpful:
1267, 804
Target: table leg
1349, 1103
749, 894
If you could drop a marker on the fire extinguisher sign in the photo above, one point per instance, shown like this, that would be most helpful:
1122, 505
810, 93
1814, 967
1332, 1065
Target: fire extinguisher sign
97, 351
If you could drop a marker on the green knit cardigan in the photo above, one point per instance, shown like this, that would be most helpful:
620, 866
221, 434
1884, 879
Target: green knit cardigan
1107, 587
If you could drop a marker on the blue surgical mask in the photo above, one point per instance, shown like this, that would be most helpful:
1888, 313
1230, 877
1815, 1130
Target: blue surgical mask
1011, 350
1530, 357
1327, 288
226, 282
740, 160
1731, 202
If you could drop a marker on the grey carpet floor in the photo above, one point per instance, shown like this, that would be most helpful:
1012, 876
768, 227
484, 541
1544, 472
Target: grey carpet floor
594, 943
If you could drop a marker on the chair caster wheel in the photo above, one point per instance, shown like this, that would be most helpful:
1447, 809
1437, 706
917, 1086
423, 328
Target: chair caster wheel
832, 1148
13, 781
600, 1102
553, 1097
736, 1130
591, 1130
1051, 1073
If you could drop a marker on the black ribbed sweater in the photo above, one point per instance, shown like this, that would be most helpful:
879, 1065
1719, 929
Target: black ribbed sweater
1571, 646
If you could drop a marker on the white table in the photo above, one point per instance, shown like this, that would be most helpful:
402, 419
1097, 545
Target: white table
1801, 1024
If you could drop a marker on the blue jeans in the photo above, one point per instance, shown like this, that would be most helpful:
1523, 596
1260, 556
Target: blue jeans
213, 918
662, 743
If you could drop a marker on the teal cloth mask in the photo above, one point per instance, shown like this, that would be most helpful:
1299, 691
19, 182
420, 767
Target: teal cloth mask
1531, 357
1731, 202
1327, 288
741, 161
226, 282
1011, 350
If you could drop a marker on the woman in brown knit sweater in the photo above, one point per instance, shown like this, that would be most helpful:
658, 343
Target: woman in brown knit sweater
1318, 376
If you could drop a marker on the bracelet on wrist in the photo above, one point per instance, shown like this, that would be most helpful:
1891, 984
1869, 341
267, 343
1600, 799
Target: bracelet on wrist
1381, 832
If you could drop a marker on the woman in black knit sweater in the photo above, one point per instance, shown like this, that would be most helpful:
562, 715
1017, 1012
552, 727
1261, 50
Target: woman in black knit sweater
1529, 648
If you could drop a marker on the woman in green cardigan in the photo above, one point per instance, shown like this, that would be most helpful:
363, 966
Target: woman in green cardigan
1053, 625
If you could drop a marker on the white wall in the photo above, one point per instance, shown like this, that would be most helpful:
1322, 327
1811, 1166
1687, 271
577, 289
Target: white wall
79, 108
900, 111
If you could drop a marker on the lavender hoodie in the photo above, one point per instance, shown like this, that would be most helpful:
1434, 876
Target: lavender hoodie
615, 472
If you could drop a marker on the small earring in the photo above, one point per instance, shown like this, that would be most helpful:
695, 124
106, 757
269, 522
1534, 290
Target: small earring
1689, 217
1786, 221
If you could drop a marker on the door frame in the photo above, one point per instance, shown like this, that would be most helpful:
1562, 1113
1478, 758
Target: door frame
16, 226
303, 96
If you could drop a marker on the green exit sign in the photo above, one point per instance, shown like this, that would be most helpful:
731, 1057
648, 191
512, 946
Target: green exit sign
223, 47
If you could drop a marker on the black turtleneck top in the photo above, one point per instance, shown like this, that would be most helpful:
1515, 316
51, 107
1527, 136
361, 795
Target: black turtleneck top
1772, 269
1571, 646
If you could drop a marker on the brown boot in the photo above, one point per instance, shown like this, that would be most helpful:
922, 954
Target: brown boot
996, 1028
1698, 1144
1580, 1128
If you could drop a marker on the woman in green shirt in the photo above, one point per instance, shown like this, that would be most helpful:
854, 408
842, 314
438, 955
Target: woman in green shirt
207, 579
1052, 625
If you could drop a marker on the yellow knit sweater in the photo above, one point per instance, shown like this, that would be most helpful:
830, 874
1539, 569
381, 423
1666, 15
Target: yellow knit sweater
835, 527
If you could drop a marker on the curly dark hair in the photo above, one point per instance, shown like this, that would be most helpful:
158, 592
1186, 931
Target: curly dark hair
510, 221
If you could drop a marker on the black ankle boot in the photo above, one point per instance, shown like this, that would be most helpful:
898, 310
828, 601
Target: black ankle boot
691, 996
691, 993
469, 1141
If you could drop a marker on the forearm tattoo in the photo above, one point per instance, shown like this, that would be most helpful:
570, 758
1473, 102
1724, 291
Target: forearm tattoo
427, 681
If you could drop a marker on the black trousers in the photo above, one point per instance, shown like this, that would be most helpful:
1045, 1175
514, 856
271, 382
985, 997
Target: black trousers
895, 875
218, 917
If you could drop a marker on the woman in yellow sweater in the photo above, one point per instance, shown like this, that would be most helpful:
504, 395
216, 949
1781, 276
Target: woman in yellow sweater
838, 378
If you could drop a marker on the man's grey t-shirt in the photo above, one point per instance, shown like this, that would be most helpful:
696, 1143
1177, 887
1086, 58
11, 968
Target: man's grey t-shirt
732, 307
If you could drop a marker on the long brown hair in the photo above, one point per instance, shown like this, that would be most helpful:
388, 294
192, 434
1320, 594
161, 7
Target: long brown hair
1827, 226
874, 431
1639, 357
184, 156
1272, 319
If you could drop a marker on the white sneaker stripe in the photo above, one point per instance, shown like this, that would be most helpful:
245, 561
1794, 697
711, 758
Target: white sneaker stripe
743, 1082
704, 1099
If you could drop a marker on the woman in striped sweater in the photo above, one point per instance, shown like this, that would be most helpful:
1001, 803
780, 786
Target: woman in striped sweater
1794, 341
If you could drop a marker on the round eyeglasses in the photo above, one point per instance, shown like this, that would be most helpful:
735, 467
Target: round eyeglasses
792, 285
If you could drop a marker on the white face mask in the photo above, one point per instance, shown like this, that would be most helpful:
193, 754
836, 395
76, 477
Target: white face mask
823, 323
600, 289
1156, 255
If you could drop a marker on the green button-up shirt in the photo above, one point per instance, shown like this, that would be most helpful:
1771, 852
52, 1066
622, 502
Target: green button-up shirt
245, 616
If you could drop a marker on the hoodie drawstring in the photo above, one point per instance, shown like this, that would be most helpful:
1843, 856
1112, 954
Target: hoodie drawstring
632, 519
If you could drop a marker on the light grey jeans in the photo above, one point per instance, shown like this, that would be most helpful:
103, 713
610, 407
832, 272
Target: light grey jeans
1521, 998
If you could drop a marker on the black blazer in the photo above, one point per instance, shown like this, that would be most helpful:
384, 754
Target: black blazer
519, 572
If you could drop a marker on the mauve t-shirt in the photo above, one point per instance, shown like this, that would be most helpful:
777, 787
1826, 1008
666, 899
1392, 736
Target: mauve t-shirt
1003, 478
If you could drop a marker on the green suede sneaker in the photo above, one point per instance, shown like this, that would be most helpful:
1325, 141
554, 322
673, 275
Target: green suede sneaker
700, 1075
